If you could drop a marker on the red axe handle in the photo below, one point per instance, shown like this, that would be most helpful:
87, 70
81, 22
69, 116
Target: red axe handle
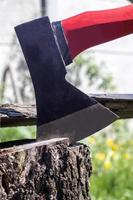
96, 27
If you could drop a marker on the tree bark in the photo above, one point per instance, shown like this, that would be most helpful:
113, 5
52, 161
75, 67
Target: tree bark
47, 170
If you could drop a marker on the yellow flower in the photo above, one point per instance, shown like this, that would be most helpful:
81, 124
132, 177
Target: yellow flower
100, 156
115, 147
126, 156
112, 144
91, 140
107, 165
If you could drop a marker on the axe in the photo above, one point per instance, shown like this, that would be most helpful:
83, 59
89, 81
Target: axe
62, 109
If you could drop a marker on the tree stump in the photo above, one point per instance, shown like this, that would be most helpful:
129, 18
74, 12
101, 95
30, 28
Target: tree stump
46, 170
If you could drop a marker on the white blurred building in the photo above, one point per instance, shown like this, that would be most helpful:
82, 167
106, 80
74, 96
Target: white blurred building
12, 13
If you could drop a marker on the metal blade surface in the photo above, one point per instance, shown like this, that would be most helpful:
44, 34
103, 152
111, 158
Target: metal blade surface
78, 125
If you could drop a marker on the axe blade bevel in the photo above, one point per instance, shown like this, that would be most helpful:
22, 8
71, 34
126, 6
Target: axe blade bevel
62, 109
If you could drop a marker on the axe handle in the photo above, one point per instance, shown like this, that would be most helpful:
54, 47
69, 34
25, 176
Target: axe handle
95, 27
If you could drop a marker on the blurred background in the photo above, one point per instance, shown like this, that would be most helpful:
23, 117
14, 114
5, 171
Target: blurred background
107, 68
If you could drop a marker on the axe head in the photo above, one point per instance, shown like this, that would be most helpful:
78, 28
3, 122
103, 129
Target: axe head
62, 109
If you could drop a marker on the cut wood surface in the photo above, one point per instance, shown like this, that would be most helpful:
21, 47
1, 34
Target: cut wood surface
46, 170
17, 115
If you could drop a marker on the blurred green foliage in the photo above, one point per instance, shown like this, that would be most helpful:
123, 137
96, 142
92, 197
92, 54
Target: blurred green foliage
85, 70
112, 163
17, 133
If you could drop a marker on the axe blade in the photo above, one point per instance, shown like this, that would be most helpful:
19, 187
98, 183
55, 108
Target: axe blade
62, 109
78, 125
